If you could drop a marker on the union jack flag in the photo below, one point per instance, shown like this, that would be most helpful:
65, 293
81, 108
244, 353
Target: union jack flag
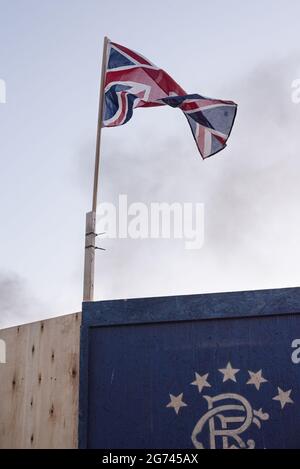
133, 81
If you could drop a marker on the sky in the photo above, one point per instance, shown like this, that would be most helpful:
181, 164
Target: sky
50, 59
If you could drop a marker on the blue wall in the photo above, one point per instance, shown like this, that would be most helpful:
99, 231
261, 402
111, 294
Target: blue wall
139, 358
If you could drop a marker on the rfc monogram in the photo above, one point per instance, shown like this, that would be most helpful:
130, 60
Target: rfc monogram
228, 422
230, 418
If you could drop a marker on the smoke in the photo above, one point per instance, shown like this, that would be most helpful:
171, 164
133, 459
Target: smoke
17, 305
259, 187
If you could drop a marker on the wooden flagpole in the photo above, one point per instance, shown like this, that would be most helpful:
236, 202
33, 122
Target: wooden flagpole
90, 228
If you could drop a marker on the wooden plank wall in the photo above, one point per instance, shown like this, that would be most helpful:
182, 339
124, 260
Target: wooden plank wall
39, 384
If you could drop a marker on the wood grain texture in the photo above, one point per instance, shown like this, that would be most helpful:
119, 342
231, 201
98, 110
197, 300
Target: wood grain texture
39, 384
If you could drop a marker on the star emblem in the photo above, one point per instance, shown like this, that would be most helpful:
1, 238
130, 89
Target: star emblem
283, 397
176, 402
221, 405
229, 373
256, 379
201, 382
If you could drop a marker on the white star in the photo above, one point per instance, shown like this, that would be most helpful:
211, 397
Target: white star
176, 402
201, 382
256, 378
229, 373
283, 397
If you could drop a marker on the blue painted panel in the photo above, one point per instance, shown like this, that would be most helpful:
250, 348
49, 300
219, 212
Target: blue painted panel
189, 307
130, 370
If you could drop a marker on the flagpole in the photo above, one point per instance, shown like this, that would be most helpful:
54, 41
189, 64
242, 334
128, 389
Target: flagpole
90, 228
99, 127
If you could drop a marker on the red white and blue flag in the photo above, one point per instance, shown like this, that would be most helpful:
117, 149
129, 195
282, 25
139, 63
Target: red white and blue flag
133, 81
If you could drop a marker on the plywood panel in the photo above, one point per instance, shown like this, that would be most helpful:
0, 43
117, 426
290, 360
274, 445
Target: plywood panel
39, 384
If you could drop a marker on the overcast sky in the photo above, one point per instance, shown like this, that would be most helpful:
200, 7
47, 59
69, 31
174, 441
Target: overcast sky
50, 57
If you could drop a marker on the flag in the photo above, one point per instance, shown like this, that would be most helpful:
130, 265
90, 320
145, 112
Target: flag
132, 81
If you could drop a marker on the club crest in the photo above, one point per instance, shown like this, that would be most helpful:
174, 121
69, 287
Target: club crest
230, 416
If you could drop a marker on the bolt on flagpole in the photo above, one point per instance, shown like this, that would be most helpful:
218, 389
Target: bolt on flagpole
90, 228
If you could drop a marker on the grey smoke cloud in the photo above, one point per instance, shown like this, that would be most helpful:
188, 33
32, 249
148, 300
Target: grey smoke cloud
17, 304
